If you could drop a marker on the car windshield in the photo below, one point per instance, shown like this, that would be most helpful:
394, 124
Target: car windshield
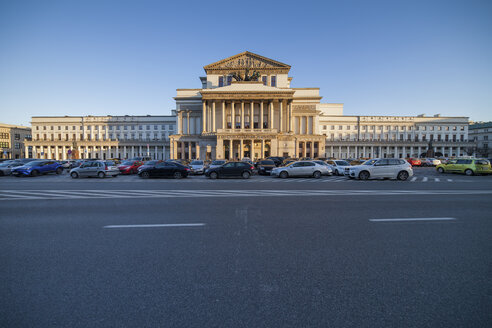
109, 163
267, 163
342, 163
127, 163
35, 163
289, 164
218, 162
197, 163
369, 162
151, 162
482, 162
4, 164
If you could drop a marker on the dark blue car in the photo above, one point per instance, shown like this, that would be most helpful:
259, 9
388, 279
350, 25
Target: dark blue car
37, 167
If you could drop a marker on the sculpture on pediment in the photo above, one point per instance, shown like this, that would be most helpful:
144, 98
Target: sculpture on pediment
246, 77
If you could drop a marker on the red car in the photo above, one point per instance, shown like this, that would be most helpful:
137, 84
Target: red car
414, 161
129, 167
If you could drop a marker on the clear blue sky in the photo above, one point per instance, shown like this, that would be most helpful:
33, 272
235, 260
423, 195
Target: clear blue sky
128, 57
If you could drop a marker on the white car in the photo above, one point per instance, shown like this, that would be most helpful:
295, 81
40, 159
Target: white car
300, 169
392, 168
338, 166
431, 162
197, 167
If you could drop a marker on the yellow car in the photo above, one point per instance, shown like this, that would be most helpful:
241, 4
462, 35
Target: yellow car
468, 166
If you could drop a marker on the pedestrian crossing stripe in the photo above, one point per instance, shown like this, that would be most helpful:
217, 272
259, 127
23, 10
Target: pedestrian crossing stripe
11, 195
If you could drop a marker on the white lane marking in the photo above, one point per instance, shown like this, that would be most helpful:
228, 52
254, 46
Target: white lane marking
424, 179
413, 179
437, 179
450, 180
411, 219
169, 225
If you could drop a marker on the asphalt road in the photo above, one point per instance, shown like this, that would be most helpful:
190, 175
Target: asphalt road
246, 253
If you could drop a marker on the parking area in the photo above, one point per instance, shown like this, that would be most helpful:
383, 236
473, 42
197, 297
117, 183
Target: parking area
421, 174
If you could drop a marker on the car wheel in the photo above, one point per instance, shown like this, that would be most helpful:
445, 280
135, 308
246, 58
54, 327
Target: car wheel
364, 175
403, 175
440, 170
245, 175
214, 175
114, 176
468, 172
145, 175
59, 170
74, 175
317, 174
284, 175
177, 175
336, 172
35, 173
101, 175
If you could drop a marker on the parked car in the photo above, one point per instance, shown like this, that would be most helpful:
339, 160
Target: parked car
265, 166
129, 167
7, 166
216, 163
392, 168
164, 169
301, 169
197, 167
414, 161
37, 167
149, 163
230, 170
100, 169
277, 159
468, 166
430, 162
140, 158
338, 166
321, 162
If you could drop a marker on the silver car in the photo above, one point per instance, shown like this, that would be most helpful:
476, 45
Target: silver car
6, 167
197, 167
392, 168
338, 166
330, 171
99, 169
300, 169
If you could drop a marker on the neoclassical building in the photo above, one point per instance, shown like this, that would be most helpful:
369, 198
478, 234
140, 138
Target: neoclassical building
246, 108
102, 137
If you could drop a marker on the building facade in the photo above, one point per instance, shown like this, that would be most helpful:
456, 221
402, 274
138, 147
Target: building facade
246, 107
12, 138
101, 137
481, 134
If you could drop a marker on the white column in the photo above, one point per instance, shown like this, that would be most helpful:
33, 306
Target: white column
270, 116
396, 152
291, 123
213, 116
188, 125
241, 153
458, 152
204, 116
223, 115
180, 122
262, 148
242, 115
261, 119
418, 155
339, 152
280, 116
233, 116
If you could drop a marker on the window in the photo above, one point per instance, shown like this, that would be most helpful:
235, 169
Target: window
463, 129
332, 127
454, 128
37, 127
155, 127
324, 127
340, 127
52, 128
140, 127
485, 137
273, 81
133, 127
229, 80
17, 136
348, 127
125, 127
221, 81
163, 127
148, 127
264, 79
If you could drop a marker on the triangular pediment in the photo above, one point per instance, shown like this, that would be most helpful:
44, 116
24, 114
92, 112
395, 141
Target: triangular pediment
247, 60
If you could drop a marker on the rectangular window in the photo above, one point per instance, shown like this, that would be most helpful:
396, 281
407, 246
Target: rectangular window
274, 81
125, 127
324, 127
155, 127
148, 127
264, 79
229, 80
348, 127
340, 127
163, 127
332, 127
221, 81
